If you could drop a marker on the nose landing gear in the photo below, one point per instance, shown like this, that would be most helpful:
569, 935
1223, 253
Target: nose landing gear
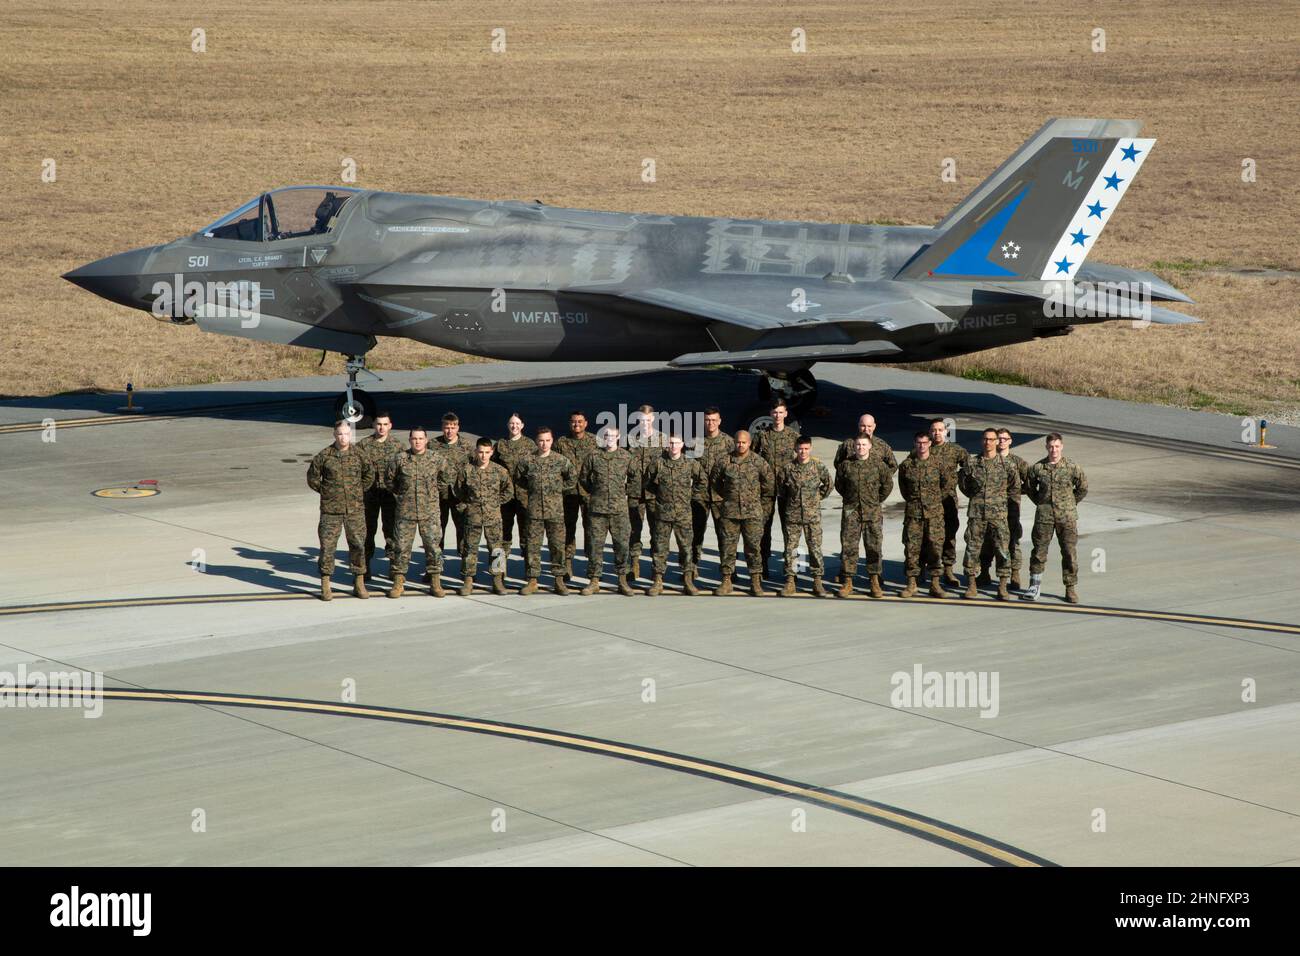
354, 405
799, 389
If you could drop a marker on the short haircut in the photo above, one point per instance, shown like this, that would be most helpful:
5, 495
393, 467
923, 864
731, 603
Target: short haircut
515, 415
938, 421
418, 428
1003, 431
990, 431
712, 410
545, 430
779, 402
451, 418
647, 409
925, 435
1055, 436
577, 412
379, 415
343, 421
483, 442
804, 440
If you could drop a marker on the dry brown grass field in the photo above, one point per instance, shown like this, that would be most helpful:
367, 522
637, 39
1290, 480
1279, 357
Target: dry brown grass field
153, 140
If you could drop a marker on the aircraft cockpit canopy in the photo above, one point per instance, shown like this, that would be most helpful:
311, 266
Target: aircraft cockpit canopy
289, 213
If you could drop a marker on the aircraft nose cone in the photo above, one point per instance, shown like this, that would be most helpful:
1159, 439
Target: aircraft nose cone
119, 278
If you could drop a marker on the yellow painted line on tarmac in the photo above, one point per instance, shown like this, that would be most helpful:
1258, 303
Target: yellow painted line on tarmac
963, 841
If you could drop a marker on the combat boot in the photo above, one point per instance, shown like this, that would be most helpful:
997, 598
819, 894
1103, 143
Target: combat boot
724, 587
530, 587
359, 585
1035, 584
972, 589
435, 585
1015, 580
876, 590
789, 589
568, 569
910, 590
593, 586
630, 578
936, 586
498, 584
625, 587
399, 582
368, 575
688, 582
656, 586
1003, 593
562, 588
466, 587
949, 577
818, 590
325, 593
756, 586
1071, 594
846, 589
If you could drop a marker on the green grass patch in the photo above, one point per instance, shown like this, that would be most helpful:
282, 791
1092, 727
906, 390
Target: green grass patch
1188, 265
978, 374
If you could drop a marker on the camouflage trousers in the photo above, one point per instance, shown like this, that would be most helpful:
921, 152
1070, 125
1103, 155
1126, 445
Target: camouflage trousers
354, 526
766, 547
553, 529
986, 526
640, 516
700, 512
486, 528
1066, 531
951, 523
811, 531
607, 526
381, 503
922, 542
430, 530
576, 506
733, 530
512, 513
450, 509
1015, 531
865, 529
664, 532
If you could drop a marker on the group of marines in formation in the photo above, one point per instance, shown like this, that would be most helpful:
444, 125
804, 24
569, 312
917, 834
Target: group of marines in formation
618, 487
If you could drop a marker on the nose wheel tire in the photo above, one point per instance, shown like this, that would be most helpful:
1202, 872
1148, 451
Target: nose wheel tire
357, 408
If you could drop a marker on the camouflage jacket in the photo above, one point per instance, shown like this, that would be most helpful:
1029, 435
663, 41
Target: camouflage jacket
577, 450
674, 484
508, 454
848, 448
417, 481
547, 479
776, 447
449, 453
381, 455
482, 491
744, 486
1057, 488
801, 489
951, 457
864, 483
1022, 469
342, 479
646, 449
709, 451
610, 479
988, 482
924, 485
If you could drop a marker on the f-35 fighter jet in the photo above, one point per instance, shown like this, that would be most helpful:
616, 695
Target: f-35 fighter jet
334, 268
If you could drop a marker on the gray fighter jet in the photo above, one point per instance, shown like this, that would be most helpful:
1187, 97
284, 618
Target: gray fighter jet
334, 268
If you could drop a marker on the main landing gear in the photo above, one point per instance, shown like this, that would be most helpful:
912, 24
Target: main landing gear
354, 405
799, 388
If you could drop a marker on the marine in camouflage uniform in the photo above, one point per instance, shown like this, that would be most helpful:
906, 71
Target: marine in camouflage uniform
879, 447
777, 449
417, 479
924, 483
611, 478
577, 450
988, 482
863, 484
707, 502
508, 454
801, 486
645, 446
341, 477
1056, 489
546, 479
674, 482
951, 456
380, 501
455, 453
1015, 530
746, 486
481, 490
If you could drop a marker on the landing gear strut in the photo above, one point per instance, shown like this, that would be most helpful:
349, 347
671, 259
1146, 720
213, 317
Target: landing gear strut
799, 389
354, 405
